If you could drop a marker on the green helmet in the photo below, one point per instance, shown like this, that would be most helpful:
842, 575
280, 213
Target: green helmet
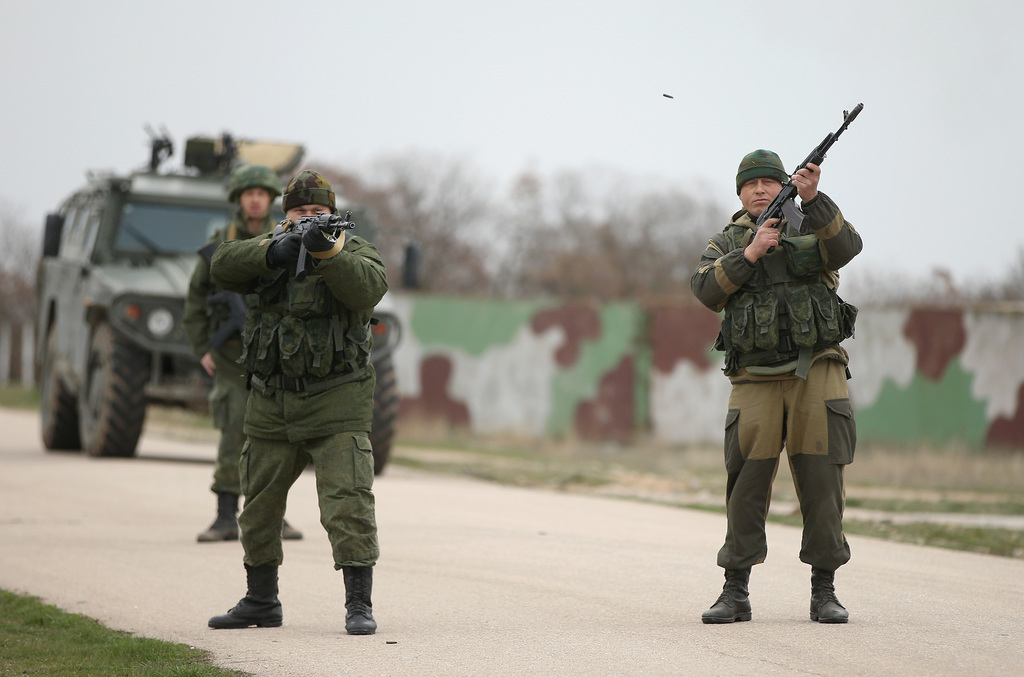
309, 187
253, 176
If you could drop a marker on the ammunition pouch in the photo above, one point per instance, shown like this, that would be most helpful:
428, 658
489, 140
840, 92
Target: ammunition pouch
298, 338
803, 255
785, 312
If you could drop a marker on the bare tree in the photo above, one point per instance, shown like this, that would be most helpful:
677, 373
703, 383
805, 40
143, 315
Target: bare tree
436, 204
596, 234
938, 288
19, 255
599, 236
1011, 288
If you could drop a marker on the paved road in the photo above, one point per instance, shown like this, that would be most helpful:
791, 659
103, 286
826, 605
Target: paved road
478, 579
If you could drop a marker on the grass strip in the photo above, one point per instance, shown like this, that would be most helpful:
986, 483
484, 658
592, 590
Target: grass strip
983, 540
40, 639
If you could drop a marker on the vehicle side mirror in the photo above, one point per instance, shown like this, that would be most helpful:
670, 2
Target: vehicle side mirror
51, 234
411, 269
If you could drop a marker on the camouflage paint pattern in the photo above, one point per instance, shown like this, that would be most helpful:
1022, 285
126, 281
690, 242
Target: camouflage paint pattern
608, 372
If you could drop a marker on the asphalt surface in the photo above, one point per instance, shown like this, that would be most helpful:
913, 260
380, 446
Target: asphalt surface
479, 579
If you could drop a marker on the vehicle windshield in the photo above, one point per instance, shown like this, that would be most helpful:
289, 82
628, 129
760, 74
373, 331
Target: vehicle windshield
167, 229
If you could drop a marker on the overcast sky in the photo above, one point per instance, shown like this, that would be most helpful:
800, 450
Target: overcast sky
927, 168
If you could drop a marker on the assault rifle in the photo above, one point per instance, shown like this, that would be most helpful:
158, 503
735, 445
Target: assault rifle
331, 225
235, 324
783, 205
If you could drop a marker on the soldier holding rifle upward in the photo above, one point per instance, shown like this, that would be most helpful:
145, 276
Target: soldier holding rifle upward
781, 333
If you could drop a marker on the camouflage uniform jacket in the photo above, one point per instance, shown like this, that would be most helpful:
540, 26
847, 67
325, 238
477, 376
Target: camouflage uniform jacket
201, 320
356, 280
723, 270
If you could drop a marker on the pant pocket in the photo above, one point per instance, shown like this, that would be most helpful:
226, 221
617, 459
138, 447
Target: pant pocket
733, 454
220, 407
842, 431
362, 462
243, 469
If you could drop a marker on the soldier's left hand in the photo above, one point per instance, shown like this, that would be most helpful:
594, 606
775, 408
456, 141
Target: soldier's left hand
284, 250
806, 182
319, 242
208, 363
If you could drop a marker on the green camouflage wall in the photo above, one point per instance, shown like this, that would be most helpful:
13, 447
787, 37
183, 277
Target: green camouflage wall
605, 372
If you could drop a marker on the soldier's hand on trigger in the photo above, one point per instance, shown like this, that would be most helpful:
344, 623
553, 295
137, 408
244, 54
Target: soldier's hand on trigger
766, 237
284, 251
318, 242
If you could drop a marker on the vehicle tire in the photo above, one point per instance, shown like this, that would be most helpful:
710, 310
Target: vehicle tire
385, 413
112, 404
58, 408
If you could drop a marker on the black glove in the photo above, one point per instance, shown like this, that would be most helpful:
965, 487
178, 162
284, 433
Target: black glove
284, 251
316, 240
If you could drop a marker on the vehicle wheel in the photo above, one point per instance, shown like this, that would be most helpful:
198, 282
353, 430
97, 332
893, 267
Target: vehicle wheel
112, 405
385, 413
58, 408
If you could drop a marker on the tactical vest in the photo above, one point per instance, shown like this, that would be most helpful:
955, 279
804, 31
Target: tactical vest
299, 337
785, 312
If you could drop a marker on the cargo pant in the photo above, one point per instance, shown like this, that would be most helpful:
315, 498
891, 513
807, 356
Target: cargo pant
814, 420
343, 464
227, 408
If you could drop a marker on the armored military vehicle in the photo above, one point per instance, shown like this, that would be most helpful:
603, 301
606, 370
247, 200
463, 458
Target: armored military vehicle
117, 258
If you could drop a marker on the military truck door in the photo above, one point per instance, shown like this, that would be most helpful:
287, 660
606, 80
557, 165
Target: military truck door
77, 328
63, 279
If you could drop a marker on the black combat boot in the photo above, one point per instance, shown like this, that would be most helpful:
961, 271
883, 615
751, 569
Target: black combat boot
733, 604
259, 607
290, 533
225, 527
358, 585
825, 608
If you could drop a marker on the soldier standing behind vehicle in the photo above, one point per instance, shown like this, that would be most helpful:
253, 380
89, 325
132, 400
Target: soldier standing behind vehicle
208, 321
307, 354
781, 331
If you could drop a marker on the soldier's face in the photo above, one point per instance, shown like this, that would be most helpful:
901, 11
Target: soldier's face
255, 202
296, 213
757, 194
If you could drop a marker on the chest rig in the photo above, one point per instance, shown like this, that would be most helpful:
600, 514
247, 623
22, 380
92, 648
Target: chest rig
298, 337
785, 312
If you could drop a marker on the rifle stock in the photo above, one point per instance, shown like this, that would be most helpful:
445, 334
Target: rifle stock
235, 303
235, 324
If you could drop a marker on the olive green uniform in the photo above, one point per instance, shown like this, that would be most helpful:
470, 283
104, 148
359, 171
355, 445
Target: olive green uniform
203, 316
306, 349
781, 331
